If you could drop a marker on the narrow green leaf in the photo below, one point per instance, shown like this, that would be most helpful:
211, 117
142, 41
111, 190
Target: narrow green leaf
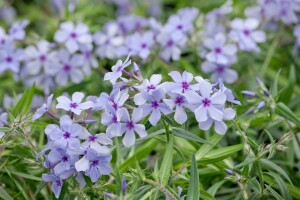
23, 105
287, 92
167, 162
213, 140
118, 181
141, 153
215, 187
220, 154
274, 89
268, 164
159, 132
179, 132
24, 175
194, 183
4, 195
274, 193
285, 112
205, 195
39, 189
282, 186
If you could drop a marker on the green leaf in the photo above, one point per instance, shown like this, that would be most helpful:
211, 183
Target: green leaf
24, 175
275, 167
285, 112
4, 195
220, 154
159, 132
179, 132
213, 140
282, 186
141, 153
205, 195
194, 183
287, 92
167, 162
274, 193
118, 182
274, 89
23, 105
214, 188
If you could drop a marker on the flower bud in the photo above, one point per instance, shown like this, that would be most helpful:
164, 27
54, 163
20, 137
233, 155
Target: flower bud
228, 171
248, 93
261, 105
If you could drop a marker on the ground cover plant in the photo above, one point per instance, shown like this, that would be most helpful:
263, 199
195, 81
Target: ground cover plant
132, 99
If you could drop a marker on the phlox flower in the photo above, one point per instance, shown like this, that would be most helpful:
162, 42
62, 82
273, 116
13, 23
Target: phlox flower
16, 31
155, 106
39, 57
94, 164
42, 110
219, 71
208, 106
221, 52
65, 136
10, 58
130, 125
117, 70
75, 104
182, 83
73, 35
245, 33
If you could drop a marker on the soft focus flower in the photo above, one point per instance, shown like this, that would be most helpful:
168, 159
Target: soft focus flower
73, 35
245, 33
39, 58
220, 53
16, 31
219, 71
10, 58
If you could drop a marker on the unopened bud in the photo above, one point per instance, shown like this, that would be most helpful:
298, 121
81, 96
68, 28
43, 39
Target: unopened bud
109, 195
124, 185
228, 171
261, 105
248, 93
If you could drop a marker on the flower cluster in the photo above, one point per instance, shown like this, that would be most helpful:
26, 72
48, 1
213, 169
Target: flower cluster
73, 151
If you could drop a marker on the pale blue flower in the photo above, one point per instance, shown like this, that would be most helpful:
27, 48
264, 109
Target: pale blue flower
75, 104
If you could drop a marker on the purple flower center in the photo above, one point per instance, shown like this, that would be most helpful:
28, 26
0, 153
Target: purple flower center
179, 27
73, 105
43, 58
151, 87
218, 50
73, 35
95, 163
92, 138
67, 135
170, 43
114, 119
115, 106
179, 100
144, 45
129, 125
246, 32
154, 104
87, 54
185, 85
120, 68
67, 68
220, 69
64, 159
206, 102
58, 182
9, 59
